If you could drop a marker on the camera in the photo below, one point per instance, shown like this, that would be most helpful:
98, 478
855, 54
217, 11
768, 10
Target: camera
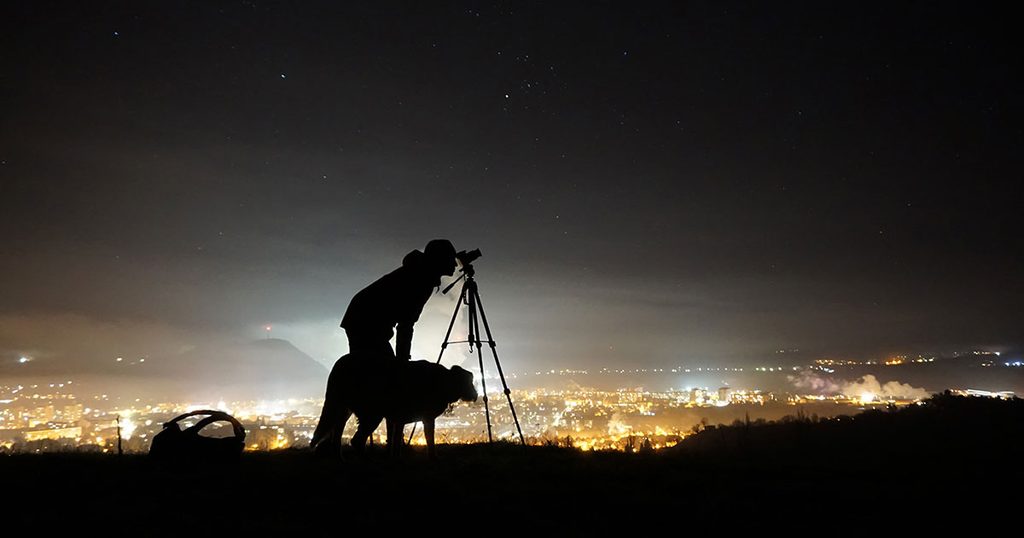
466, 258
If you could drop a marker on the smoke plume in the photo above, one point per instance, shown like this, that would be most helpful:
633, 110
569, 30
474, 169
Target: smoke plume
827, 386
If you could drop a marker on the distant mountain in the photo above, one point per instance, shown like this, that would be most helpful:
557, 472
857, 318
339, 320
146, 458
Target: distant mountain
264, 369
254, 359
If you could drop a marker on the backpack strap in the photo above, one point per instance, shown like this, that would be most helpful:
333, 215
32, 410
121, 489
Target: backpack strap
214, 416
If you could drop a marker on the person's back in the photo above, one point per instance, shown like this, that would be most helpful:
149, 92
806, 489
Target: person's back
397, 299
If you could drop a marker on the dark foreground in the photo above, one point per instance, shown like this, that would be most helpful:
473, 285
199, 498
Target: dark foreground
957, 461
480, 489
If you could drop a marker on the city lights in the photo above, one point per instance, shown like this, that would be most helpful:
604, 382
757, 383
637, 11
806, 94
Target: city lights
48, 415
628, 419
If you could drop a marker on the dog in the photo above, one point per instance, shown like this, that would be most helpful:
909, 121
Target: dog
402, 392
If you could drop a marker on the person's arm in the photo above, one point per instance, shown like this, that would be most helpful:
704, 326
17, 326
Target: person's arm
403, 340
403, 333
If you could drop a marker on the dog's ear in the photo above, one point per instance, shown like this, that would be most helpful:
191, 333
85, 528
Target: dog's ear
462, 375
462, 384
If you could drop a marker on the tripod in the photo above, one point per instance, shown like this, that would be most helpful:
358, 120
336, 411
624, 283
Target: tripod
471, 297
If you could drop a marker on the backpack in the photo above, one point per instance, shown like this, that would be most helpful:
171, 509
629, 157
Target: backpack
174, 444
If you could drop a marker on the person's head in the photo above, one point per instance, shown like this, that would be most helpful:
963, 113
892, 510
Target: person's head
441, 256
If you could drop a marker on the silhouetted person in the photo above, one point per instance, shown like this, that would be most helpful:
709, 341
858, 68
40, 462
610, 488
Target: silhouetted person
396, 299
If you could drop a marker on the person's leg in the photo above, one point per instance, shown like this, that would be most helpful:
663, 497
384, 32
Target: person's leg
396, 437
375, 359
428, 434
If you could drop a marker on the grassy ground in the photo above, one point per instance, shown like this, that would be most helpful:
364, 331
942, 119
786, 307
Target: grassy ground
480, 488
952, 463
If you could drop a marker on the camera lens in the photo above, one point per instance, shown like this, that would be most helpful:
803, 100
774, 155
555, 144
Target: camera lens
466, 258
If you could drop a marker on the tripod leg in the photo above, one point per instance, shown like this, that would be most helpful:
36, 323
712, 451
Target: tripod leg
455, 314
444, 345
474, 339
490, 341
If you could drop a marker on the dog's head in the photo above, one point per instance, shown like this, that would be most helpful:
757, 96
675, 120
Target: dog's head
460, 384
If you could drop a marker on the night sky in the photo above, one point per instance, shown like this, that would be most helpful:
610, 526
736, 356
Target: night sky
652, 185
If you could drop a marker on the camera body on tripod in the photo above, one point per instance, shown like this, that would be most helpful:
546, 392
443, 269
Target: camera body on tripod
466, 258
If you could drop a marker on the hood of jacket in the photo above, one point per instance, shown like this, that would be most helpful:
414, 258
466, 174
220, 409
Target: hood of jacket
417, 262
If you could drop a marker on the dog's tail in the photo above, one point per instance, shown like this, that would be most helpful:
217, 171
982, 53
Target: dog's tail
332, 413
328, 424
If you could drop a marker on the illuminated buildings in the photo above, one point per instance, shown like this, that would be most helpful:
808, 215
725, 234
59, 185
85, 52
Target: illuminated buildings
587, 418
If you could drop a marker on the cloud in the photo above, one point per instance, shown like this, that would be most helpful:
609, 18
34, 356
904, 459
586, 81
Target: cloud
818, 384
892, 389
808, 380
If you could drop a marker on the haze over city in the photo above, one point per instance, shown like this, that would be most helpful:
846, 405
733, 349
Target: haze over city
651, 186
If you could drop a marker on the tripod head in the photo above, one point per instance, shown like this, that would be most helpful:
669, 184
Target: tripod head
465, 260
